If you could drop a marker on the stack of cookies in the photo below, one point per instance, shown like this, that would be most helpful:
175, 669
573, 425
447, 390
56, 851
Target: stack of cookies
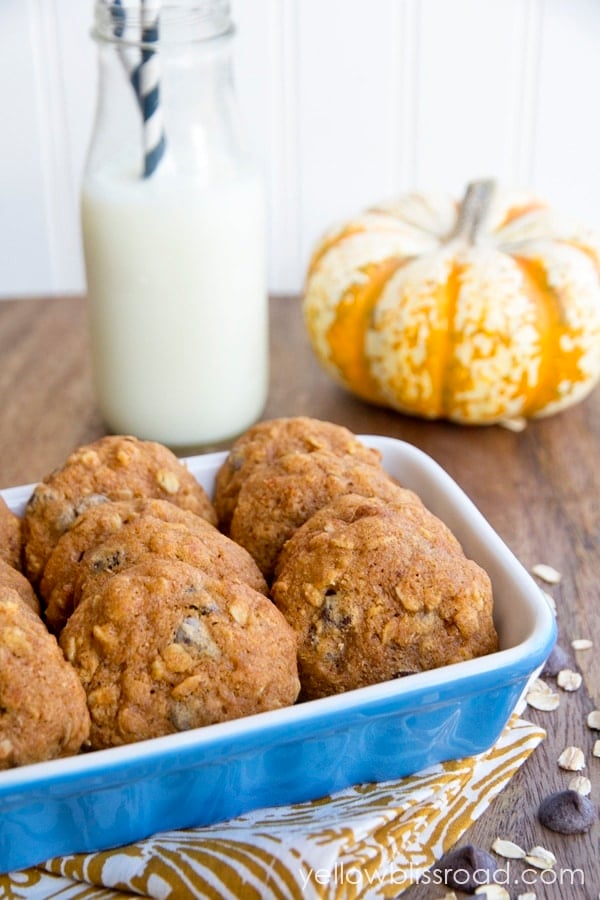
313, 573
163, 621
43, 710
374, 585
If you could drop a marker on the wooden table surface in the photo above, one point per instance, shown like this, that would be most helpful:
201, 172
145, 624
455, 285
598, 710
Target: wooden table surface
538, 488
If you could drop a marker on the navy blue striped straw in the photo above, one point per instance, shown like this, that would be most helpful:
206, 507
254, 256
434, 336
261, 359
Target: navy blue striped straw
149, 88
128, 55
144, 76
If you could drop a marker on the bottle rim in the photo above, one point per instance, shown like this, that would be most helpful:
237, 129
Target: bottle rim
125, 22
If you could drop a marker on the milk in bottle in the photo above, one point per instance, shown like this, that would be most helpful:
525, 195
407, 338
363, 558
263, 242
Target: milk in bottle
175, 258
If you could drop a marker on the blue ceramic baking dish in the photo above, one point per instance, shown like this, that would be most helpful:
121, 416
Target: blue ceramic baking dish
110, 797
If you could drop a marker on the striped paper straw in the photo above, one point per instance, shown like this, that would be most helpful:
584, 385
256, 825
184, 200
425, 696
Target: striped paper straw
128, 55
144, 76
149, 88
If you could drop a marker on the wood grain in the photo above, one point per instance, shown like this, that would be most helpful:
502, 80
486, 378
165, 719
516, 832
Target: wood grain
538, 488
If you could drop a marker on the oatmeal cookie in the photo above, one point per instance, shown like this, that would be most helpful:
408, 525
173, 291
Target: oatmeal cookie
202, 546
43, 711
278, 497
164, 648
10, 536
376, 591
12, 578
267, 441
113, 468
98, 523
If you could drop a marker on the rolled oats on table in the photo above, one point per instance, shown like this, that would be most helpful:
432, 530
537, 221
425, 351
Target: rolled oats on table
508, 849
581, 784
541, 696
572, 759
547, 573
541, 858
569, 680
593, 719
581, 644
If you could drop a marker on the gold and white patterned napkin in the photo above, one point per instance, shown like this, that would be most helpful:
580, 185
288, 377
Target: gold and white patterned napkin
366, 842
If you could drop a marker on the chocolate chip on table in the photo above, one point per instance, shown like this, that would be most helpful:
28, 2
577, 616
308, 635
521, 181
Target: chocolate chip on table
467, 868
567, 812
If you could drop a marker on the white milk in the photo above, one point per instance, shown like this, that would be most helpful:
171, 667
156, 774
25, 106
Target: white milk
177, 291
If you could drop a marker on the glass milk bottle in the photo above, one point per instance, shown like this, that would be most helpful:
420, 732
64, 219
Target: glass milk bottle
173, 220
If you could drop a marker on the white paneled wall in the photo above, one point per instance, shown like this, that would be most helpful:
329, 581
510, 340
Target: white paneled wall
347, 102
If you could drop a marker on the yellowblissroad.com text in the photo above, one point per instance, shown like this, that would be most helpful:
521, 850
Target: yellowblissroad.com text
571, 879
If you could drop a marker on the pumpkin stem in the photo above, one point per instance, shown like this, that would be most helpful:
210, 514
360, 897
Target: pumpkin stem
473, 211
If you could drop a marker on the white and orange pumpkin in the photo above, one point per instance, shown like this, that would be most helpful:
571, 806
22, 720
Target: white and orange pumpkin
477, 312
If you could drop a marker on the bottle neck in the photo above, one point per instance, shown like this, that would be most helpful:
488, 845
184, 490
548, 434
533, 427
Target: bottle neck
148, 24
165, 90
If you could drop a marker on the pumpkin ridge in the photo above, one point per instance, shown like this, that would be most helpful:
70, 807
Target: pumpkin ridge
442, 377
333, 240
550, 327
582, 248
410, 329
517, 211
329, 243
346, 335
